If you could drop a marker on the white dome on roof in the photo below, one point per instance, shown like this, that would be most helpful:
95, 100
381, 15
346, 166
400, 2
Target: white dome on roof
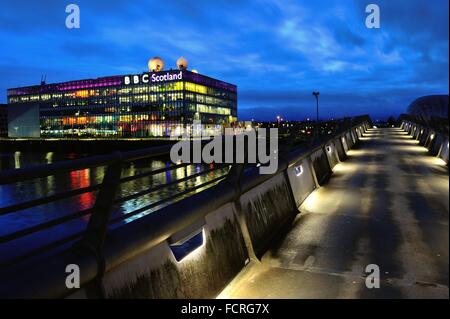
182, 63
155, 64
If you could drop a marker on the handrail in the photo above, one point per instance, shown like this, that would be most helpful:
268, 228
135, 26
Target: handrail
158, 187
38, 171
47, 199
65, 218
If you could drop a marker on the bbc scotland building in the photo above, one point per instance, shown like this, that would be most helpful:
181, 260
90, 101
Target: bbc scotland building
157, 103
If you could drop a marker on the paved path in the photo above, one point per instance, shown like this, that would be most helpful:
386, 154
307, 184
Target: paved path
388, 204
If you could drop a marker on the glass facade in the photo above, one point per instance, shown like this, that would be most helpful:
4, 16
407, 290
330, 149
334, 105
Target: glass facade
154, 104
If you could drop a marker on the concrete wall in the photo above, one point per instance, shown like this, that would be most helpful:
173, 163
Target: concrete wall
360, 132
202, 274
321, 166
436, 143
338, 143
420, 133
344, 144
413, 131
302, 180
431, 137
409, 130
424, 136
266, 208
444, 151
417, 132
23, 120
354, 136
331, 152
349, 140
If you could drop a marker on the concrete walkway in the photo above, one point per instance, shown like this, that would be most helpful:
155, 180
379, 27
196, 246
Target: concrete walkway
388, 205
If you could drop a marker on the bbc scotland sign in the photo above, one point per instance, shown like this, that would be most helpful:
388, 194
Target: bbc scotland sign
153, 77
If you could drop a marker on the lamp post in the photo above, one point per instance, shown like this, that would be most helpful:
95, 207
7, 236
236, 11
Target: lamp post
316, 94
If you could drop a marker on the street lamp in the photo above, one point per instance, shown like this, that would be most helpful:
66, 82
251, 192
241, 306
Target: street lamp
316, 94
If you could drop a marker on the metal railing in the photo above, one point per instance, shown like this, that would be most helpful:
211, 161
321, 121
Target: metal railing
106, 193
90, 246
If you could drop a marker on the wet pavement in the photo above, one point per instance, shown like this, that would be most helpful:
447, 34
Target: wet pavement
387, 205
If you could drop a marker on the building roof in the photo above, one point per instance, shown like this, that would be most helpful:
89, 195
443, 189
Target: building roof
113, 81
430, 106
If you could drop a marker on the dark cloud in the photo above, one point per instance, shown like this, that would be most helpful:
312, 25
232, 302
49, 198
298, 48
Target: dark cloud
276, 52
344, 35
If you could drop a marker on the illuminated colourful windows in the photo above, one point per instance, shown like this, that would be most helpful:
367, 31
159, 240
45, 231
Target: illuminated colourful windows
81, 109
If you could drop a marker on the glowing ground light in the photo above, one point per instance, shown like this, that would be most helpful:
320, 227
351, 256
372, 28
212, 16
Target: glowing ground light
298, 170
183, 249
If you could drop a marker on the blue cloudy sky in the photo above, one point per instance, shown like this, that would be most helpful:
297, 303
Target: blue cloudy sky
277, 52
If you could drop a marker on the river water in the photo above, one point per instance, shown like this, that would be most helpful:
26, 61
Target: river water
19, 192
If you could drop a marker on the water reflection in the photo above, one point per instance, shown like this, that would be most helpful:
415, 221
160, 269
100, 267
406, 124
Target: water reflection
81, 179
42, 187
17, 160
49, 157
